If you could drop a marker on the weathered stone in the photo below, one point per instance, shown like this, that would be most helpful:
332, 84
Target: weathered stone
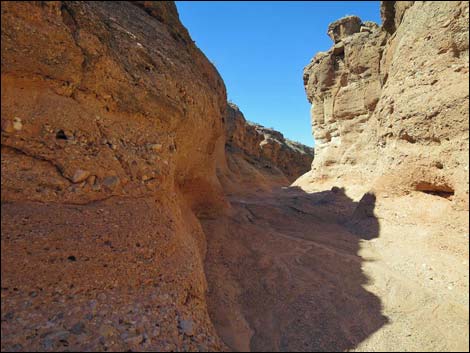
157, 147
344, 27
80, 175
110, 182
17, 124
7, 126
387, 93
78, 328
91, 180
186, 327
338, 48
265, 146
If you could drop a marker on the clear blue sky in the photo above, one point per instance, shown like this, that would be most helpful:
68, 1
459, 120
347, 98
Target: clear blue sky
261, 48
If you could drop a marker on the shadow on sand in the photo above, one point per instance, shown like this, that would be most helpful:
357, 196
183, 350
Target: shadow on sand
285, 274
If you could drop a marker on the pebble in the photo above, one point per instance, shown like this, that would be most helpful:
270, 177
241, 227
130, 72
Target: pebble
47, 344
186, 327
136, 340
17, 347
80, 175
111, 181
58, 335
157, 147
78, 328
17, 124
8, 127
91, 180
107, 330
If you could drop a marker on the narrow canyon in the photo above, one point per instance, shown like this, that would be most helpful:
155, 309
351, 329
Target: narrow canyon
141, 211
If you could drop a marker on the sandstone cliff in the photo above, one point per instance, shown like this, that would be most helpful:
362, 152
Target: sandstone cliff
390, 103
258, 158
110, 115
113, 143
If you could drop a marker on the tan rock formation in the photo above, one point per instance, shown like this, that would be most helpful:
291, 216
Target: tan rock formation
112, 121
110, 115
121, 191
390, 104
257, 157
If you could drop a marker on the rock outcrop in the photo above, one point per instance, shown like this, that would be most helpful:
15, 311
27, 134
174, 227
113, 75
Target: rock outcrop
390, 104
110, 117
113, 143
257, 157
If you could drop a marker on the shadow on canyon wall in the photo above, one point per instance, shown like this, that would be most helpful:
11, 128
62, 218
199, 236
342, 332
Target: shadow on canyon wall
285, 273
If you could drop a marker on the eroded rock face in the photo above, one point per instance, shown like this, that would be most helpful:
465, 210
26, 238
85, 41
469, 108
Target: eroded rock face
344, 27
257, 157
266, 145
110, 117
390, 104
95, 87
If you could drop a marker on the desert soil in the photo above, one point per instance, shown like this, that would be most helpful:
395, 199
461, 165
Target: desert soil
297, 270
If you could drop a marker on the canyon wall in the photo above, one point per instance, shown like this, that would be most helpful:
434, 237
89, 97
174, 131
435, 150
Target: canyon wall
390, 103
110, 117
114, 128
257, 158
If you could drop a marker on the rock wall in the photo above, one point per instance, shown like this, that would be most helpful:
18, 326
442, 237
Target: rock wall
114, 128
110, 117
390, 103
258, 158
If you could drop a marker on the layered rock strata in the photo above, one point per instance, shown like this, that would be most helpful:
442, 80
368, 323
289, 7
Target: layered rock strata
110, 115
256, 157
390, 103
112, 123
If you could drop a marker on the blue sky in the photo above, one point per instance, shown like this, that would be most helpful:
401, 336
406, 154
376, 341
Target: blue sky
260, 49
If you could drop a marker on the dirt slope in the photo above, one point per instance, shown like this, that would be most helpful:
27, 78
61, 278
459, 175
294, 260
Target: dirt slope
382, 263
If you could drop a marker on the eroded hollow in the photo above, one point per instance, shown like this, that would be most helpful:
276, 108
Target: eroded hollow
435, 189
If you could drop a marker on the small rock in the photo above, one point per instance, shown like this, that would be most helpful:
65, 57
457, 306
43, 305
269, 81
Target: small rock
107, 331
186, 327
17, 124
9, 316
157, 147
58, 335
111, 182
7, 126
135, 341
78, 328
80, 175
338, 48
47, 344
91, 180
17, 348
